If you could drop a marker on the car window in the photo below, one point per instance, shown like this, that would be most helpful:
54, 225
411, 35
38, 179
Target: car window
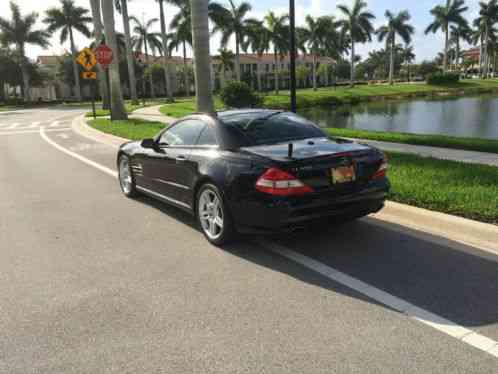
279, 127
207, 137
183, 133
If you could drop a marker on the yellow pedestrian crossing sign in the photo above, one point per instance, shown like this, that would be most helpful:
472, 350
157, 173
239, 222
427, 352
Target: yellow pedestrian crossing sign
87, 59
89, 75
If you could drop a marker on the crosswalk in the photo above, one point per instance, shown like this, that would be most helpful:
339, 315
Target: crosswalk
7, 127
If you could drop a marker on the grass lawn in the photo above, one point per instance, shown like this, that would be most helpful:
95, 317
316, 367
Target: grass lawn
184, 107
133, 129
128, 106
466, 190
471, 144
457, 188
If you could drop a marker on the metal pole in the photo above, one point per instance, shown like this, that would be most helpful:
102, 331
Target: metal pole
292, 55
94, 94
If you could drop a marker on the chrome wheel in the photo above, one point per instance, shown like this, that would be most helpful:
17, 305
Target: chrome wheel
125, 175
211, 214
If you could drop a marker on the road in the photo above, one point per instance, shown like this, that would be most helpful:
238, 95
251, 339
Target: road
93, 282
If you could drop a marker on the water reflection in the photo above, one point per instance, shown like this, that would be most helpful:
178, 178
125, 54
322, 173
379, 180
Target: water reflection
467, 116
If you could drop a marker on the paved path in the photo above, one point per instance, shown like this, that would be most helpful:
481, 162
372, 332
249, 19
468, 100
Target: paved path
437, 152
93, 282
152, 113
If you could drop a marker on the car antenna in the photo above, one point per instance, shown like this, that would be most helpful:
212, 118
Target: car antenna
290, 150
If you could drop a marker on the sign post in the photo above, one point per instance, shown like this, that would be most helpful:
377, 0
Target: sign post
104, 57
86, 58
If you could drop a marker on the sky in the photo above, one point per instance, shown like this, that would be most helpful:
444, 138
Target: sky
426, 46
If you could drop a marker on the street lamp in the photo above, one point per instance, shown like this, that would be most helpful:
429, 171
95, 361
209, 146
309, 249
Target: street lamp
292, 55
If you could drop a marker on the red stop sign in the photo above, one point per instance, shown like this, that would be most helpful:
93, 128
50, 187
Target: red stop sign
104, 55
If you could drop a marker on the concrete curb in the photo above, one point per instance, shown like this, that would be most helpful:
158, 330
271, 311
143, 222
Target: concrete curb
465, 231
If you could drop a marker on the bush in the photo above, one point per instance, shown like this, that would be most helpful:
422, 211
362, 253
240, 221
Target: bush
442, 78
239, 95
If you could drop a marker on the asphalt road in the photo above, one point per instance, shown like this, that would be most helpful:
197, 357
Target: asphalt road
92, 282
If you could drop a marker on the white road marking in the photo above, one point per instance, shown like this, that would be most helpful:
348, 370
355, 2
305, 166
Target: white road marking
442, 324
31, 131
439, 323
85, 160
63, 136
34, 124
54, 124
13, 126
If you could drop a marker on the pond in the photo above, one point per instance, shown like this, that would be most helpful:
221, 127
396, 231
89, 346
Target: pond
475, 116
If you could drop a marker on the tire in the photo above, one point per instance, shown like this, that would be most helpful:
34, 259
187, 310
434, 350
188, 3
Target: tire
125, 176
213, 216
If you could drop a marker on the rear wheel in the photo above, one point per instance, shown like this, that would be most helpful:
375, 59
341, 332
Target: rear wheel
126, 180
213, 216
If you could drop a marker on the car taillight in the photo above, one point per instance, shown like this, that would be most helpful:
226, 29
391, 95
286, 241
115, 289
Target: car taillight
382, 170
278, 182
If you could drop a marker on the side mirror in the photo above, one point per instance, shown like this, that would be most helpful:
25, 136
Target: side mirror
148, 143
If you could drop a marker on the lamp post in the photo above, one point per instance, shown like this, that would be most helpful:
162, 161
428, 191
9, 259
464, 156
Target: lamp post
292, 55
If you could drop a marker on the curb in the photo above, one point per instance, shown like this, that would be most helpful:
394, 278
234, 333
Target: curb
480, 235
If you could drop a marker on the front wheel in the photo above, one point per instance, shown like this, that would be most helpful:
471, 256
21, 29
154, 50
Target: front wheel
213, 216
126, 180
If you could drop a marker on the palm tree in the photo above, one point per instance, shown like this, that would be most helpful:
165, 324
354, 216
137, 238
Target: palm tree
68, 19
488, 16
118, 111
257, 38
396, 25
407, 56
98, 29
278, 35
444, 16
122, 7
202, 58
226, 59
232, 22
316, 36
19, 31
166, 55
458, 33
143, 40
357, 25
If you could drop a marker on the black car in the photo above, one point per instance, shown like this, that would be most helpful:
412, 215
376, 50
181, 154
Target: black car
254, 171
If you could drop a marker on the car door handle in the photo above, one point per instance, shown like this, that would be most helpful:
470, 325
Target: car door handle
181, 159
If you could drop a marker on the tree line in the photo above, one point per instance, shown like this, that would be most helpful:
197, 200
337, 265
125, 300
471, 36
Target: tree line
325, 36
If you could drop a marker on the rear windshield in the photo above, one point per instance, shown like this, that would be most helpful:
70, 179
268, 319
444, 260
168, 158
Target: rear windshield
274, 128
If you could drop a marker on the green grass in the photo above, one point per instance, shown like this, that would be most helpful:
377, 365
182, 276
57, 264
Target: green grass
130, 108
345, 95
466, 190
134, 129
471, 144
184, 107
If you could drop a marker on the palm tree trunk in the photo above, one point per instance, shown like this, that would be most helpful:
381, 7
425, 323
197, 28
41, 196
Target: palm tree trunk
352, 64
446, 45
25, 81
164, 37
186, 79
275, 71
97, 30
458, 54
76, 72
480, 58
118, 111
258, 73
129, 53
149, 66
237, 57
391, 61
314, 71
202, 58
486, 55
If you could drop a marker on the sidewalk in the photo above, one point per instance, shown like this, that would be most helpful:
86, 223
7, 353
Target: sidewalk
436, 152
152, 113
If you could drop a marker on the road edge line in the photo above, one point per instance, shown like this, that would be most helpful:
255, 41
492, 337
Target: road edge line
85, 160
461, 333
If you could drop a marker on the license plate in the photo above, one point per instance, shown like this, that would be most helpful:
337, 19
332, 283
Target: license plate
343, 174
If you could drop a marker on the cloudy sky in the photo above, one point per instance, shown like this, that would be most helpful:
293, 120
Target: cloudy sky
426, 47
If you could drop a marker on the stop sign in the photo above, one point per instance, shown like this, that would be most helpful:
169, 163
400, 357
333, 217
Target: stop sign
104, 55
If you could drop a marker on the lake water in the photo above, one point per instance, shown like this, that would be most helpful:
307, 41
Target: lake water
465, 116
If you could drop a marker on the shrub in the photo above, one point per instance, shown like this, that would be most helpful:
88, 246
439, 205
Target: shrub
239, 95
442, 78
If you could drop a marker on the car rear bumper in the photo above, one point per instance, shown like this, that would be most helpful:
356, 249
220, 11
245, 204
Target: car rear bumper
272, 215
